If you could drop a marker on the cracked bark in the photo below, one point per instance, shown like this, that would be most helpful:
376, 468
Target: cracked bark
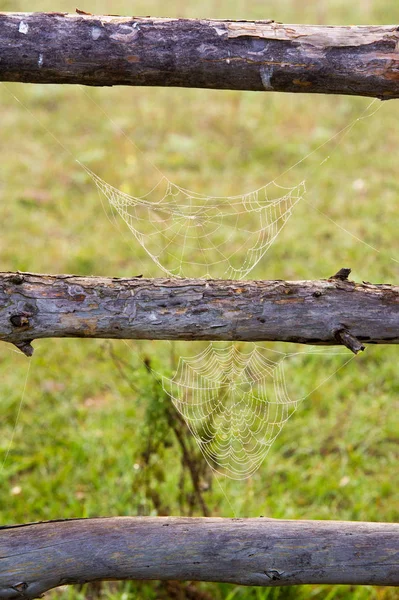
241, 55
325, 312
265, 552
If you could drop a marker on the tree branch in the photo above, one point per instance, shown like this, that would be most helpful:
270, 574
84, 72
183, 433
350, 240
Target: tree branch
325, 312
240, 55
266, 552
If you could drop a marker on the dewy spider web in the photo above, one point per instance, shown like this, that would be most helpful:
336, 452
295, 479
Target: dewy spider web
235, 403
188, 234
193, 235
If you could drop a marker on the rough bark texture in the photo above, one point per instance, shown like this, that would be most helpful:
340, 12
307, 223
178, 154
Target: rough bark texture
266, 552
333, 311
241, 55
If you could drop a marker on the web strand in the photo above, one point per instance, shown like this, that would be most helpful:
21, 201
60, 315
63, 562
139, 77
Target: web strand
17, 417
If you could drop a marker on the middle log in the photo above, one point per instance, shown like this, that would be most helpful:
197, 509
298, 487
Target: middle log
329, 311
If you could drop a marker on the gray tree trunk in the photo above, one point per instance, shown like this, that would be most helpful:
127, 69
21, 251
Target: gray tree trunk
327, 312
265, 552
239, 55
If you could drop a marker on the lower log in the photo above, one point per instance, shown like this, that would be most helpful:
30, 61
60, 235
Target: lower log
328, 312
264, 552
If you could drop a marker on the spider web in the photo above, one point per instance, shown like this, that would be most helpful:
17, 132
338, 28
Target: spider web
235, 403
193, 235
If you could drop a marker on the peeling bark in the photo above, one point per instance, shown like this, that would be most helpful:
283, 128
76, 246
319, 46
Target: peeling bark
241, 55
265, 552
326, 312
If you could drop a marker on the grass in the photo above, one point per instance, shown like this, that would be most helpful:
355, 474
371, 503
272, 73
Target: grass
81, 439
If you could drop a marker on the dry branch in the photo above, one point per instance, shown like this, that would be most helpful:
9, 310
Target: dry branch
266, 552
240, 55
327, 312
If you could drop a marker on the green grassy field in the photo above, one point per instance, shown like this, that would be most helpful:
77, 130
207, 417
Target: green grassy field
85, 431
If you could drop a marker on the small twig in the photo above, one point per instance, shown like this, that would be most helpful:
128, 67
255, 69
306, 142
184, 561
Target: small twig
25, 347
342, 274
83, 12
188, 460
350, 341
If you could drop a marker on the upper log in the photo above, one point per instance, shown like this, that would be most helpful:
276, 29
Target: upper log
266, 552
327, 312
238, 55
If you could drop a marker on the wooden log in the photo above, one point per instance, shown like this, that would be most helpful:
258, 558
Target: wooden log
239, 55
326, 312
264, 552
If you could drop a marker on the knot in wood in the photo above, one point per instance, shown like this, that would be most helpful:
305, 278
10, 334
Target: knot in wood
17, 278
21, 320
273, 574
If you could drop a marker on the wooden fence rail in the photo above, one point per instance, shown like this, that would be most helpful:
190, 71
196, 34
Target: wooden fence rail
327, 312
265, 552
239, 55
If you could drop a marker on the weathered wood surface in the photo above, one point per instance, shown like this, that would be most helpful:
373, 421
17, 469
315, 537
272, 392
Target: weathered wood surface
265, 552
241, 55
327, 312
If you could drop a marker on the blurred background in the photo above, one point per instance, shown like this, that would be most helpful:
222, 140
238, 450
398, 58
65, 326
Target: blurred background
85, 430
